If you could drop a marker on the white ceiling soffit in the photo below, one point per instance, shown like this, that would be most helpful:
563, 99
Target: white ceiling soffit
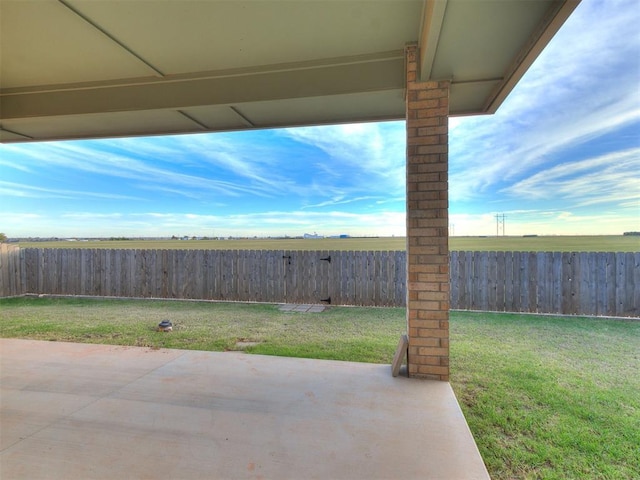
106, 68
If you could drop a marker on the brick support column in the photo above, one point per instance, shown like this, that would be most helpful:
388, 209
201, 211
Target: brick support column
427, 117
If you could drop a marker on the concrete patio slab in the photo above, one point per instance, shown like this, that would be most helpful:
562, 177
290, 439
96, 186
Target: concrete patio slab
96, 411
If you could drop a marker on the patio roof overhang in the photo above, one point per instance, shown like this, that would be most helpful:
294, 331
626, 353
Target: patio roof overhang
108, 68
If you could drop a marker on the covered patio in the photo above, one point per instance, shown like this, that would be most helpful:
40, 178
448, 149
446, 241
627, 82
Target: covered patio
76, 69
102, 412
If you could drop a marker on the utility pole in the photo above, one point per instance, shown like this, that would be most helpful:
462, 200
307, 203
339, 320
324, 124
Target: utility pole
500, 221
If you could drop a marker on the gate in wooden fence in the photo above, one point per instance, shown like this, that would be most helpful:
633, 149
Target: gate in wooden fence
542, 282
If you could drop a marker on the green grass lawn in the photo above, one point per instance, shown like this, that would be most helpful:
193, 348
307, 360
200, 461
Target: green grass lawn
545, 397
550, 397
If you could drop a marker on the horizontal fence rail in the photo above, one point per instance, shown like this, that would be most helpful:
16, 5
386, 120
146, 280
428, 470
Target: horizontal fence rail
587, 283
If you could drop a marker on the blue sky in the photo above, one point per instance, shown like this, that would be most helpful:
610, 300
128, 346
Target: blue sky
561, 156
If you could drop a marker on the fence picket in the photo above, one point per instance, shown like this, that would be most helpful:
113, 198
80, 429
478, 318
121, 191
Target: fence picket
518, 282
588, 286
624, 271
492, 280
634, 291
532, 286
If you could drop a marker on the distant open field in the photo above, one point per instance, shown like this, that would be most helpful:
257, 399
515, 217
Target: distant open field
596, 243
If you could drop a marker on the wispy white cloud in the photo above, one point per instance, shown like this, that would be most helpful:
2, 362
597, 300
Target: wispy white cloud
94, 159
272, 223
4, 163
341, 200
93, 216
23, 190
612, 178
217, 164
397, 199
368, 156
257, 163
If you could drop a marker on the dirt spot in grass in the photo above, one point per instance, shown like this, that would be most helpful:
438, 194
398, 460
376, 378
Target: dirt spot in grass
101, 336
244, 343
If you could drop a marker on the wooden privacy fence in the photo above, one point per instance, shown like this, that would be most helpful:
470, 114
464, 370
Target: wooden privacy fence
585, 283
337, 277
543, 282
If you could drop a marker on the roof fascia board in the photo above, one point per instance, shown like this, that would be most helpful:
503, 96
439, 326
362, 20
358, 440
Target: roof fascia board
558, 13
